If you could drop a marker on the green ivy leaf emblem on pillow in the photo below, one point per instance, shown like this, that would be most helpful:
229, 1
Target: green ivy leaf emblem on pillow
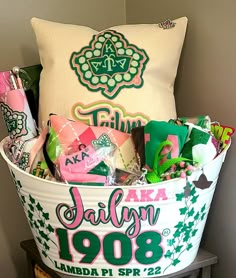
15, 121
109, 64
103, 141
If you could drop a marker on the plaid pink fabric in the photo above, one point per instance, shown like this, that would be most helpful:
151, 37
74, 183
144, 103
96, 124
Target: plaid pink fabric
68, 132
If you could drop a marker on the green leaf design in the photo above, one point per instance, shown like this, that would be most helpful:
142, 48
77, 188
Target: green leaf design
103, 141
39, 239
30, 215
187, 235
19, 184
187, 229
46, 216
41, 222
189, 184
43, 235
183, 211
168, 254
32, 200
189, 246
203, 208
46, 246
170, 242
38, 206
175, 262
23, 201
203, 216
36, 219
50, 228
31, 207
113, 60
197, 215
190, 224
191, 212
179, 197
179, 225
44, 254
186, 238
193, 191
178, 248
194, 199
194, 232
177, 234
36, 225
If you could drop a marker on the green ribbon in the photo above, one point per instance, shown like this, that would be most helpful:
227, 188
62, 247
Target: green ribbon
155, 175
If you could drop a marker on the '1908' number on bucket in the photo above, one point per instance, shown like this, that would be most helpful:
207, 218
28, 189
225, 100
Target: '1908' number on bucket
117, 247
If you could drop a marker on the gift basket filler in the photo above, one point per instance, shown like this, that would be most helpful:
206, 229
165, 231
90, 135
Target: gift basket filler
113, 183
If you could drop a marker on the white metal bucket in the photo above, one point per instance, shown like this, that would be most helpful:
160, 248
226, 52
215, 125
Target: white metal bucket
132, 231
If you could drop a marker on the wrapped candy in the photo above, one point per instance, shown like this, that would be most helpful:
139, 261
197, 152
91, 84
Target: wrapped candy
78, 153
202, 121
222, 132
201, 145
163, 144
157, 132
86, 166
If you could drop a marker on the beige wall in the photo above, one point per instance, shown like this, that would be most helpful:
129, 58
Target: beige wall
17, 40
206, 85
18, 47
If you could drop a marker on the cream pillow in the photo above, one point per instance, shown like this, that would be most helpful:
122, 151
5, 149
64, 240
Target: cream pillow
120, 77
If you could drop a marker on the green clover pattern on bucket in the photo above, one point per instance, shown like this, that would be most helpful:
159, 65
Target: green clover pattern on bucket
109, 64
37, 218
